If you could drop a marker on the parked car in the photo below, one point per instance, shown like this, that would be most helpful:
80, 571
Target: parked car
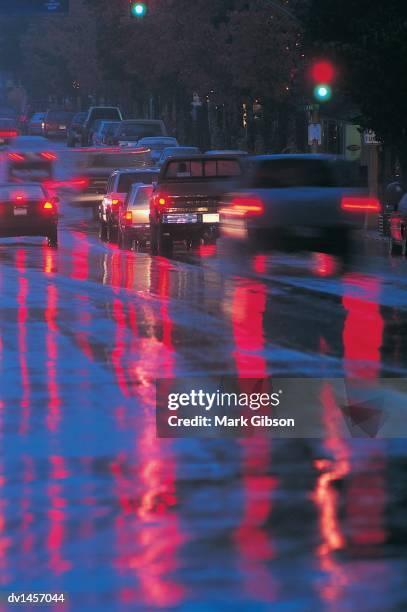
297, 202
29, 158
35, 124
157, 144
74, 132
27, 209
134, 217
176, 152
129, 132
118, 186
95, 113
96, 167
398, 228
56, 123
186, 200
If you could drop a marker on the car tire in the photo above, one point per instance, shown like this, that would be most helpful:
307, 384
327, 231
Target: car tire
70, 143
103, 231
52, 239
153, 240
395, 248
164, 243
112, 233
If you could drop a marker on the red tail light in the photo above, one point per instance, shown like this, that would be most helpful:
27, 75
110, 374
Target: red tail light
160, 200
360, 204
246, 205
128, 217
16, 157
115, 203
48, 155
8, 133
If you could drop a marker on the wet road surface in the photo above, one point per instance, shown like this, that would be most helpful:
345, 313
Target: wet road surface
92, 504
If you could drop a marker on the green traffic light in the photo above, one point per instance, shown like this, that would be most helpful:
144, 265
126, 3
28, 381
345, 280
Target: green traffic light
323, 93
138, 9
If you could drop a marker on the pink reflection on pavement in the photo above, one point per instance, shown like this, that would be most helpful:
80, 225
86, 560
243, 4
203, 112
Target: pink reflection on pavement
252, 538
22, 317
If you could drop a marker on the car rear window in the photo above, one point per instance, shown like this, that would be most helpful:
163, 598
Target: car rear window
7, 123
104, 113
203, 169
141, 198
289, 173
127, 180
28, 192
139, 131
58, 116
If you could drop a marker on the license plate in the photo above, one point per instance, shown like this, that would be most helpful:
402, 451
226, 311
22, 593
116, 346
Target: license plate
210, 218
62, 127
20, 212
184, 218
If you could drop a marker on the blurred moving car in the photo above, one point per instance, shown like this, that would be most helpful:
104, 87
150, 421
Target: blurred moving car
28, 210
74, 131
176, 152
118, 186
56, 123
96, 113
186, 201
297, 202
134, 218
34, 126
157, 144
29, 158
96, 166
129, 132
8, 130
398, 228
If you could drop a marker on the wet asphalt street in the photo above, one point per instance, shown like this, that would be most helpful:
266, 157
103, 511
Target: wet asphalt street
94, 505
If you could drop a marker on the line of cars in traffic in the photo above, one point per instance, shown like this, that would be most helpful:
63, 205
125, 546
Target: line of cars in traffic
257, 203
148, 191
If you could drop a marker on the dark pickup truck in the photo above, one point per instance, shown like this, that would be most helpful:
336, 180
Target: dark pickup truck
186, 200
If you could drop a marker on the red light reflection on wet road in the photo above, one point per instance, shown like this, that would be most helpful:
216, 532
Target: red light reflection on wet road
57, 516
22, 317
148, 534
363, 330
252, 538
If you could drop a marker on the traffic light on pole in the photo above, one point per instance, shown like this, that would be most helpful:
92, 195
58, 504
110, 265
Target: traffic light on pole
323, 74
138, 9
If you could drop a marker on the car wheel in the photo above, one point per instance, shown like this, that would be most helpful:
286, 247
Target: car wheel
395, 248
112, 234
52, 239
164, 244
153, 240
103, 231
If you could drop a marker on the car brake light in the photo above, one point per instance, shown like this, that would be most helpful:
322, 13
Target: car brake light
8, 133
48, 155
115, 202
360, 204
162, 201
249, 205
16, 157
48, 206
128, 217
